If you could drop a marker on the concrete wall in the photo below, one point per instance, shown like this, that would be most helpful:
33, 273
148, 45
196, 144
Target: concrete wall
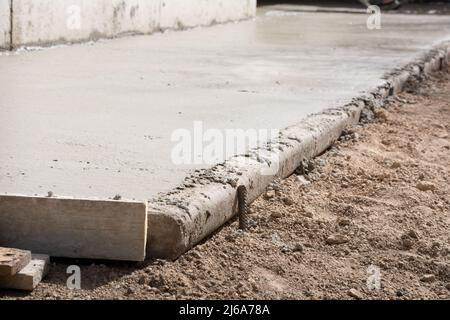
5, 24
45, 22
189, 13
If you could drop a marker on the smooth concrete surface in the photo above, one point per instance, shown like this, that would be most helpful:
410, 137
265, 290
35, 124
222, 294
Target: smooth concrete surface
46, 22
5, 24
75, 228
96, 120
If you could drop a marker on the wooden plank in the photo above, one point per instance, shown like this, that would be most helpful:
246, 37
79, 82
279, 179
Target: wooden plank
75, 228
29, 277
13, 260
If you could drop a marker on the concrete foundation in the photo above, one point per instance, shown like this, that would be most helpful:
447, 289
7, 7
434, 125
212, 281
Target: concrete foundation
5, 24
47, 22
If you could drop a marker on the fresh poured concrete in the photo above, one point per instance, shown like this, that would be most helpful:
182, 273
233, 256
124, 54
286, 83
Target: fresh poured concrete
96, 120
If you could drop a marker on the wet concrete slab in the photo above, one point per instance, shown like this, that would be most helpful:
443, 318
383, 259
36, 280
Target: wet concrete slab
96, 120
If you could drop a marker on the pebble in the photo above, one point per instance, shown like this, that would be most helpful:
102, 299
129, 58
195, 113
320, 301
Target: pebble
276, 215
381, 114
302, 180
288, 201
401, 292
270, 194
337, 238
297, 248
407, 243
428, 278
344, 222
395, 165
355, 294
425, 186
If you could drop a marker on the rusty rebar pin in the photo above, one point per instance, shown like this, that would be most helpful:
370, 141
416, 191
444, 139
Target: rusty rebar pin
243, 207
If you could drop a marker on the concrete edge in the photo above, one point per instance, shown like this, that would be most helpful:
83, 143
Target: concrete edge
87, 233
182, 218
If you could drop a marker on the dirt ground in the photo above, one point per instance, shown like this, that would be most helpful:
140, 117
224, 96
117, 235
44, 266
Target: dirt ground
377, 200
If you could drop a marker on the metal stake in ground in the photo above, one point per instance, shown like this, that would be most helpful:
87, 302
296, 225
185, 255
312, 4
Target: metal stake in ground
243, 207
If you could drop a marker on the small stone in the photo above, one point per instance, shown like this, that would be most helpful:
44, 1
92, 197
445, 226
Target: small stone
407, 243
286, 249
337, 238
447, 286
288, 201
117, 197
269, 194
395, 165
400, 292
297, 248
276, 215
413, 234
344, 222
142, 280
302, 180
355, 294
195, 255
308, 214
428, 278
381, 114
425, 186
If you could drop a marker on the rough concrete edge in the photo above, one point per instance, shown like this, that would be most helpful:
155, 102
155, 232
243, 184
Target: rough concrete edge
109, 201
181, 218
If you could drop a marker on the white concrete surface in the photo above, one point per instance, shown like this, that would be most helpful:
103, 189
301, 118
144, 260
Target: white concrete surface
44, 22
96, 121
5, 24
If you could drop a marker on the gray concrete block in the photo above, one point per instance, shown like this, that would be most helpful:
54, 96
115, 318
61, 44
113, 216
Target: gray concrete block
30, 276
13, 260
74, 228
